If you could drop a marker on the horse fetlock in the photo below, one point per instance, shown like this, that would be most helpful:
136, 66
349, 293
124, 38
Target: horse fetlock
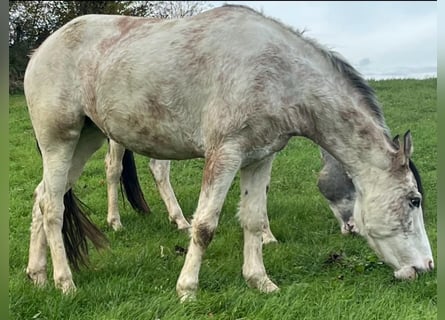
115, 223
38, 277
261, 282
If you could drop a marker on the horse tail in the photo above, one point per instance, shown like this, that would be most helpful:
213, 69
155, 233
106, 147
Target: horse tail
130, 182
76, 229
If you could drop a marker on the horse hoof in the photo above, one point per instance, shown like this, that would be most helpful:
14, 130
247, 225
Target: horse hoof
186, 295
262, 283
183, 225
269, 238
38, 278
116, 225
67, 286
268, 286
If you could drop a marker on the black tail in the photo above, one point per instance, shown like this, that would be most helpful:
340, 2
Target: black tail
77, 227
130, 181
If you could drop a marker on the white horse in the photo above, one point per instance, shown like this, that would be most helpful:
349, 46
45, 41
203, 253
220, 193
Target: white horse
228, 85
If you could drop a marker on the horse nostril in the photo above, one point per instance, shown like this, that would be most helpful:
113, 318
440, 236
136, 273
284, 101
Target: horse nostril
430, 265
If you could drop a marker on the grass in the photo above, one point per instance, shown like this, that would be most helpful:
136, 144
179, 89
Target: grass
133, 280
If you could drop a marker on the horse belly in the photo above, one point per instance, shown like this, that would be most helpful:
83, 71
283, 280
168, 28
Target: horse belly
158, 144
152, 136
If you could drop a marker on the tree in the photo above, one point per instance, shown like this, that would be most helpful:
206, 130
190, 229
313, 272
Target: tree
31, 22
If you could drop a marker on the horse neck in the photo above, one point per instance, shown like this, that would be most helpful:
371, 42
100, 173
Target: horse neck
354, 136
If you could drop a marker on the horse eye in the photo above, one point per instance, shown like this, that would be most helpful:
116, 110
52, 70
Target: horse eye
414, 202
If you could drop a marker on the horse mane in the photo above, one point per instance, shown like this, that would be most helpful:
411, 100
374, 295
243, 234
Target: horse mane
416, 176
357, 81
339, 64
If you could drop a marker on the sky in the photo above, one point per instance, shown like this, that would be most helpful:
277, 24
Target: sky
382, 39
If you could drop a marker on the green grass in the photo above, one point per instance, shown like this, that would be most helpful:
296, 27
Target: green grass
133, 280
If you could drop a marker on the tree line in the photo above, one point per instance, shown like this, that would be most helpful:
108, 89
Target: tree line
31, 22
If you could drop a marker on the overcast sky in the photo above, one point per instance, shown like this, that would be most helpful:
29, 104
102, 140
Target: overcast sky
383, 39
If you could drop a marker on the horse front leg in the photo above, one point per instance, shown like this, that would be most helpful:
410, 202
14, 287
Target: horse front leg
36, 269
160, 170
219, 170
254, 180
267, 234
113, 166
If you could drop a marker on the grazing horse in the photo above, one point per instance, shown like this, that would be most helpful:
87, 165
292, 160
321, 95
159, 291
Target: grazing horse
337, 187
228, 85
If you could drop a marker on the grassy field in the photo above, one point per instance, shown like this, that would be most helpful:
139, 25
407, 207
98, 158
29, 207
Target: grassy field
133, 280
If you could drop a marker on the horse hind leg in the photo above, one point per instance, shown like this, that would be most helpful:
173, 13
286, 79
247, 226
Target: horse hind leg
63, 161
36, 269
252, 213
160, 170
56, 156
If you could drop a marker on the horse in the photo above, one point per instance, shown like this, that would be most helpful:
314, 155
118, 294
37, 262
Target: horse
229, 85
120, 166
337, 187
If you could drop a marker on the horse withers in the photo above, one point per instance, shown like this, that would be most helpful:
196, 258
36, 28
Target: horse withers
228, 85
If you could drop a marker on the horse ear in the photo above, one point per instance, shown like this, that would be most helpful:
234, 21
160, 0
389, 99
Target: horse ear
405, 150
408, 145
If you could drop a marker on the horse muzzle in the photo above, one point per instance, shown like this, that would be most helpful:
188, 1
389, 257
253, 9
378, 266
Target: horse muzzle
412, 272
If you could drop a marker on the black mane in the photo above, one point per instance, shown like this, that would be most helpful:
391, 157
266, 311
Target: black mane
359, 84
416, 176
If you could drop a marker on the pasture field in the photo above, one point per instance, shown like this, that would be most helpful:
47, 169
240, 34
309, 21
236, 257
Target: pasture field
322, 274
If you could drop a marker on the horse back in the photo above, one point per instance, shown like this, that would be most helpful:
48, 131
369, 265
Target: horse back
182, 85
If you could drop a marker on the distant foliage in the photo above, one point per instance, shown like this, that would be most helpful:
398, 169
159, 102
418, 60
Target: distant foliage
31, 22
